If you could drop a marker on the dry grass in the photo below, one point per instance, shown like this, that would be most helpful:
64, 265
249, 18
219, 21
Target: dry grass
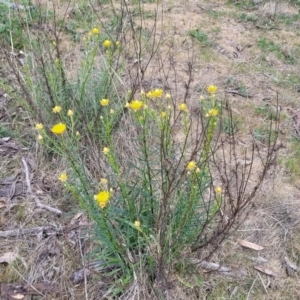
234, 62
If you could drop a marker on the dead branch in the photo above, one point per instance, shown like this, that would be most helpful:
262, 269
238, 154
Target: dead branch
213, 267
35, 198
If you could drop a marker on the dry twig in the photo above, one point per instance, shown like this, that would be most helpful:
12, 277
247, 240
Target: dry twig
36, 199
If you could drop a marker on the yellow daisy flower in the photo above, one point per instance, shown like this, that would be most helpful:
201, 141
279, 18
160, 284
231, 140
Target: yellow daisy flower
183, 107
191, 165
63, 177
104, 102
102, 198
137, 224
95, 30
218, 190
39, 126
70, 113
107, 43
56, 109
212, 113
59, 128
157, 93
212, 89
136, 105
105, 150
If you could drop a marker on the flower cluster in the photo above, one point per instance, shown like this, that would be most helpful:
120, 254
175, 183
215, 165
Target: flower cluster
156, 93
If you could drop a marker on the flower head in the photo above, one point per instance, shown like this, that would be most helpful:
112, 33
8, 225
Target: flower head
191, 165
137, 224
168, 96
183, 107
39, 137
39, 126
95, 30
102, 198
70, 113
163, 114
103, 181
105, 150
107, 43
157, 93
212, 89
111, 111
56, 109
104, 102
218, 190
212, 113
117, 43
136, 105
59, 128
63, 177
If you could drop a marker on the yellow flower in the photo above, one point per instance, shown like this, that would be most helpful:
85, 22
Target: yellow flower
191, 165
168, 96
127, 105
104, 102
56, 109
107, 43
105, 150
157, 93
59, 128
95, 30
117, 43
218, 190
197, 170
103, 181
111, 111
136, 105
54, 43
212, 89
70, 113
212, 113
63, 177
77, 134
39, 126
137, 224
183, 107
39, 137
102, 198
201, 98
163, 114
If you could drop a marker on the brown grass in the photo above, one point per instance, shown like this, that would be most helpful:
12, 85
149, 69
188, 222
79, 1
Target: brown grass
232, 61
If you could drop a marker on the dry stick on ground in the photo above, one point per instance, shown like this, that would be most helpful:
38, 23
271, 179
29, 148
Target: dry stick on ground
36, 199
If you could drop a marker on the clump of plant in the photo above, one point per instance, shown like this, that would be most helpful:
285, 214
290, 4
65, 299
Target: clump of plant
164, 198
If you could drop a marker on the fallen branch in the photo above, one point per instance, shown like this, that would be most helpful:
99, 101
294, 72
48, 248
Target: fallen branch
27, 231
46, 230
213, 267
36, 199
